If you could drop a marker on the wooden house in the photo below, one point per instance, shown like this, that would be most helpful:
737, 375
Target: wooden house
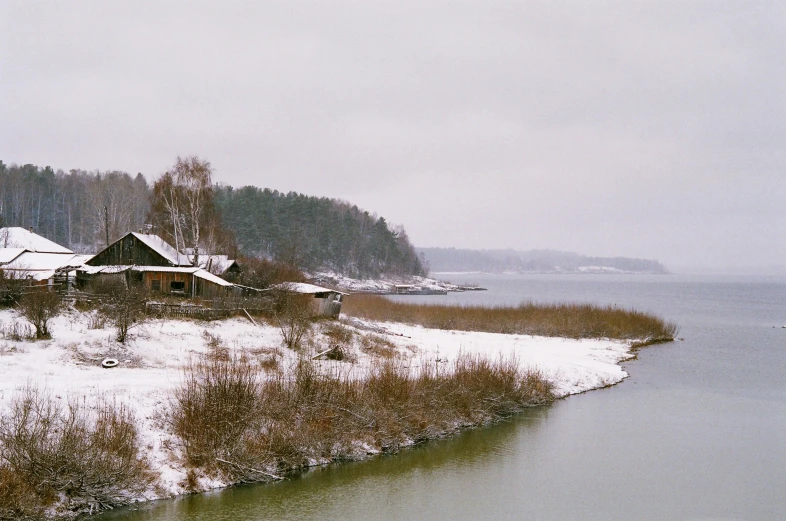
149, 260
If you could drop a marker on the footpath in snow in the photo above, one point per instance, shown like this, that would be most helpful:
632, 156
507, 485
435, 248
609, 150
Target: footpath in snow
151, 363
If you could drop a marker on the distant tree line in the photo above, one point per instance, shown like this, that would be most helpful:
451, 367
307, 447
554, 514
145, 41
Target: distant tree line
69, 207
531, 261
316, 232
82, 209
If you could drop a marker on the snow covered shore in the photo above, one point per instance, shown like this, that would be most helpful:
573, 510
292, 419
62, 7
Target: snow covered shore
351, 285
151, 364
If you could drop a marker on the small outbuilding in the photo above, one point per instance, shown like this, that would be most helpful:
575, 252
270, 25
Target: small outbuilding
327, 302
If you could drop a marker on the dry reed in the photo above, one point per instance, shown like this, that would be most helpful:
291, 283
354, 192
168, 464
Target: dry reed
562, 320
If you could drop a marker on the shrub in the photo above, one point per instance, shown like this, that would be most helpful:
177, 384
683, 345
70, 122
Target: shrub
293, 314
247, 431
123, 307
10, 290
263, 273
18, 498
38, 307
213, 407
69, 457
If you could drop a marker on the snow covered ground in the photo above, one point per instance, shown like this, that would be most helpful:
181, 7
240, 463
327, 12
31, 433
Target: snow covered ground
151, 364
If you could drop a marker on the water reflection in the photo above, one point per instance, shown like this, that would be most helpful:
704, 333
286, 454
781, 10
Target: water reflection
368, 489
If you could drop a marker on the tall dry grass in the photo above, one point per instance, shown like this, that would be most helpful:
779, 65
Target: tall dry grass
61, 459
563, 320
300, 417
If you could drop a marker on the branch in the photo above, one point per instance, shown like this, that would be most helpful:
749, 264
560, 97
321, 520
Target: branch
268, 474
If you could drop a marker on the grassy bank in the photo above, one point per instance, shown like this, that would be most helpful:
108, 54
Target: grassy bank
234, 426
555, 320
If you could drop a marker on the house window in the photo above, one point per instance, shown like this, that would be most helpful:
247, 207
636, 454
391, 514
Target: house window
177, 287
155, 284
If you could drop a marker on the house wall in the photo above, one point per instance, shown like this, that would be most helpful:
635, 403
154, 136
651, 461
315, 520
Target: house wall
165, 280
327, 304
207, 289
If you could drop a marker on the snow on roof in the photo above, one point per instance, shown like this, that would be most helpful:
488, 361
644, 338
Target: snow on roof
83, 258
167, 269
92, 270
206, 275
197, 272
34, 261
213, 263
42, 266
17, 237
9, 254
163, 248
305, 288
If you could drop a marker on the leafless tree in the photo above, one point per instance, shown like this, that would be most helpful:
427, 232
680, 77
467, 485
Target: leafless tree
194, 177
182, 206
124, 307
293, 314
38, 307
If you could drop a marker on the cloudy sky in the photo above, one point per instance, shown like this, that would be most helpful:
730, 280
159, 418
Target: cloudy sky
644, 129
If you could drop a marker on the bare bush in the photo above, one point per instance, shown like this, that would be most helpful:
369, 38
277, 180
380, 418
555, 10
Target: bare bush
10, 289
293, 314
213, 408
378, 345
39, 307
18, 498
16, 331
229, 423
79, 460
96, 321
263, 273
124, 307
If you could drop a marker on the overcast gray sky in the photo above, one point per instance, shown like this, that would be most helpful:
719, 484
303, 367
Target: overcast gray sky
643, 129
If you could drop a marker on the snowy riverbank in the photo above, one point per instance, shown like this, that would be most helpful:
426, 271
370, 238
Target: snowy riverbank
151, 364
351, 285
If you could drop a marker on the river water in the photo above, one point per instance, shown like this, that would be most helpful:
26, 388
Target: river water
698, 431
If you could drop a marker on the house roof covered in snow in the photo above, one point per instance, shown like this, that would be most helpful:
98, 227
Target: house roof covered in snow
9, 254
213, 263
206, 275
163, 248
305, 288
41, 266
196, 272
17, 237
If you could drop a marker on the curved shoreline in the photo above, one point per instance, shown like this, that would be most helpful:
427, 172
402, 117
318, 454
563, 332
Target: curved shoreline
151, 366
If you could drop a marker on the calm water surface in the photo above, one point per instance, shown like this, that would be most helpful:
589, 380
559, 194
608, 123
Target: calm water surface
698, 431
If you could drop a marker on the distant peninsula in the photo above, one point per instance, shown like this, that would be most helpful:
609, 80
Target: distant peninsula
532, 261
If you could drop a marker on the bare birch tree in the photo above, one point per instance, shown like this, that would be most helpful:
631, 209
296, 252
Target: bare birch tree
182, 205
194, 175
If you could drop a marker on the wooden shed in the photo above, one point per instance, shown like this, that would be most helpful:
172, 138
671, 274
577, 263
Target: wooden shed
327, 302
